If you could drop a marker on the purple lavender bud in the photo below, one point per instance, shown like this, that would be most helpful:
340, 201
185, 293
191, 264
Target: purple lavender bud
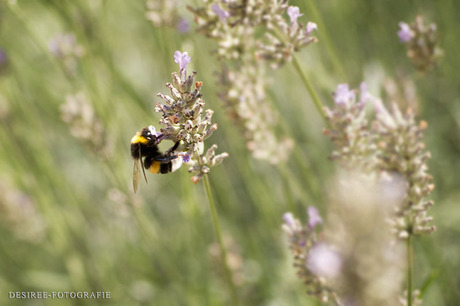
288, 219
405, 34
343, 94
294, 13
313, 217
223, 15
185, 157
182, 59
310, 27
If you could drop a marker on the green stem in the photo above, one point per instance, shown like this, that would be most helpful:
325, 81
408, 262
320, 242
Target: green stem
409, 270
311, 90
223, 251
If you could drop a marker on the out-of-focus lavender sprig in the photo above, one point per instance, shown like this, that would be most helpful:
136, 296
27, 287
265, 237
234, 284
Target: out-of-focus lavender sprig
391, 145
67, 50
371, 259
353, 142
19, 214
303, 243
256, 27
422, 43
85, 125
164, 13
185, 119
245, 101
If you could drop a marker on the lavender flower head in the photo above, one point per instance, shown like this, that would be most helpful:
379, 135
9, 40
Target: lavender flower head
422, 43
405, 33
308, 255
183, 120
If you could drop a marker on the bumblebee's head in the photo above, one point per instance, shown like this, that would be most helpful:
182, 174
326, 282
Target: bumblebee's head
146, 136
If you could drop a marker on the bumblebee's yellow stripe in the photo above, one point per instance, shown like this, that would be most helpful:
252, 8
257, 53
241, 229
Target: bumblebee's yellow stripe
139, 139
155, 167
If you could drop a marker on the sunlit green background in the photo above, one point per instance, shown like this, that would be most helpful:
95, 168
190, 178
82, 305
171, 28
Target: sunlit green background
69, 220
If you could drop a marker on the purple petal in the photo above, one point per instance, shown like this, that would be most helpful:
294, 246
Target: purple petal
310, 27
288, 219
405, 34
343, 95
182, 59
223, 15
294, 13
313, 217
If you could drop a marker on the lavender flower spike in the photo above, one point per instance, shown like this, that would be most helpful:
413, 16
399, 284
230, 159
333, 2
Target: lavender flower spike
223, 14
405, 34
182, 59
313, 217
294, 13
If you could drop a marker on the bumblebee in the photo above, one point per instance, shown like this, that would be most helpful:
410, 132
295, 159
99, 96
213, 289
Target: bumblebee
146, 154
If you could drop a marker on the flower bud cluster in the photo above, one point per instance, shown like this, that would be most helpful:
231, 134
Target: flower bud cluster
185, 119
349, 129
84, 124
66, 49
422, 43
390, 145
254, 26
244, 97
164, 13
303, 242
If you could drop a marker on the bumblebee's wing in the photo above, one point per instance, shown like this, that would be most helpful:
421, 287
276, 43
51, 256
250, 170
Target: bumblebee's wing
136, 174
143, 170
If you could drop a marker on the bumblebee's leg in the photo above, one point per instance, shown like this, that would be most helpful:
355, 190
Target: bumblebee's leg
173, 148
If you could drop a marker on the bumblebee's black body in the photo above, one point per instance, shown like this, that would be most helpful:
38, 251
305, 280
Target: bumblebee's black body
145, 145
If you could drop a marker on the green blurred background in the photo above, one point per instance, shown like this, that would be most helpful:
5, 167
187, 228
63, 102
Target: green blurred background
69, 220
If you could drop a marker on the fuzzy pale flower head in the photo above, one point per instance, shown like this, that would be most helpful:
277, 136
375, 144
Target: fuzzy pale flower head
358, 232
324, 261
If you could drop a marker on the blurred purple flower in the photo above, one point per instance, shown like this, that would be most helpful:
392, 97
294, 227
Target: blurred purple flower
313, 217
182, 59
405, 34
183, 25
288, 219
185, 157
310, 27
323, 261
294, 13
223, 15
343, 94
